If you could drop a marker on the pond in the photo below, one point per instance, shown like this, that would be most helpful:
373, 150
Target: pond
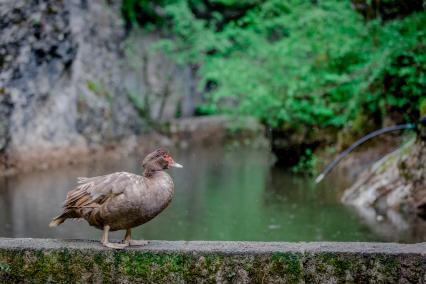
220, 194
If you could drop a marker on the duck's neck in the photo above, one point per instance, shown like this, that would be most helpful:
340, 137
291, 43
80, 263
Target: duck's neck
160, 181
149, 172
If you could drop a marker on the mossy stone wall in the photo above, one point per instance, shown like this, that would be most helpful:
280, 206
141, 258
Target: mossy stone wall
55, 261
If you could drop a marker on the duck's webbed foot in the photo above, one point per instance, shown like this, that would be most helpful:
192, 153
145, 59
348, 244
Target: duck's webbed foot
106, 242
136, 242
114, 245
128, 240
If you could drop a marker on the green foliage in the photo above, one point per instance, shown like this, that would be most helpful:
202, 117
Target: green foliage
100, 90
306, 165
317, 63
422, 107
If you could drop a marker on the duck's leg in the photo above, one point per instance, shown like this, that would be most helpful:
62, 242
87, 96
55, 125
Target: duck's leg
106, 242
128, 239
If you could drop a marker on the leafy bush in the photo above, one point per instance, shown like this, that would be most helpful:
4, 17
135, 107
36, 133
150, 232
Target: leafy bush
317, 63
307, 164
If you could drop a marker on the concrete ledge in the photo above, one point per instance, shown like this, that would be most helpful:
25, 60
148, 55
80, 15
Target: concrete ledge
71, 261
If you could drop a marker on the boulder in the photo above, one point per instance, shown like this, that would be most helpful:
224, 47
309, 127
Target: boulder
396, 182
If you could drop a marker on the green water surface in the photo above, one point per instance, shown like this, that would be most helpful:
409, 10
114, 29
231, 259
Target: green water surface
220, 194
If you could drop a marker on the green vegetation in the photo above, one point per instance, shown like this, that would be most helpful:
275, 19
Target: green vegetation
422, 107
307, 164
316, 63
289, 264
100, 90
325, 71
139, 266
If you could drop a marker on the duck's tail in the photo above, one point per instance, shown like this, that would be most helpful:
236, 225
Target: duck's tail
57, 221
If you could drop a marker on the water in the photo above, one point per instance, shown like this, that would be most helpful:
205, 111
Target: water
220, 194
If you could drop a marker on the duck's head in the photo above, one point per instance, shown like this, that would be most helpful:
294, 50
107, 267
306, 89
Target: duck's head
159, 160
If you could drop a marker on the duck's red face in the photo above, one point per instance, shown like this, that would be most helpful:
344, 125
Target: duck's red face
170, 161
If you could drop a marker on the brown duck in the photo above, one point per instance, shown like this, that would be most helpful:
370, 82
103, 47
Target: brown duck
121, 201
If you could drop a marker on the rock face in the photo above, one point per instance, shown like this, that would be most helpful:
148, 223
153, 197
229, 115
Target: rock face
161, 89
217, 130
60, 78
397, 182
64, 81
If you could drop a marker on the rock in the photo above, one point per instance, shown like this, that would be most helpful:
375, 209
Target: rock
59, 74
217, 130
164, 89
391, 225
397, 182
290, 144
65, 80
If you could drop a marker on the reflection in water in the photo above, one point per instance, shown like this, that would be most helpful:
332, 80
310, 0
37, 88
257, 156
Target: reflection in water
219, 195
392, 226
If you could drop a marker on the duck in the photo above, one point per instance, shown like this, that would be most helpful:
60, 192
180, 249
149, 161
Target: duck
122, 200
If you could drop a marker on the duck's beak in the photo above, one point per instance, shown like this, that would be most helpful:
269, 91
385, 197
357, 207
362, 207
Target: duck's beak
176, 165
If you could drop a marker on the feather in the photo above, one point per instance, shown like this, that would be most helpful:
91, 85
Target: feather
92, 194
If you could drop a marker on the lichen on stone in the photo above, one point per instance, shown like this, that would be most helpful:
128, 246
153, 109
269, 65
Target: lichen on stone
73, 265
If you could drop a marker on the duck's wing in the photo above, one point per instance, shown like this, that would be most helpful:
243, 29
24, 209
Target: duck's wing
95, 191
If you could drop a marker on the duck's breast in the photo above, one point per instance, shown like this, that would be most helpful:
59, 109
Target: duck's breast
141, 201
155, 195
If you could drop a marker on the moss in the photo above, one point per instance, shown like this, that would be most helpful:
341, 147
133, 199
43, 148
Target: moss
395, 157
155, 267
230, 275
102, 263
256, 270
5, 270
422, 107
288, 265
94, 87
13, 260
100, 90
340, 266
71, 266
43, 265
389, 266
4, 267
285, 266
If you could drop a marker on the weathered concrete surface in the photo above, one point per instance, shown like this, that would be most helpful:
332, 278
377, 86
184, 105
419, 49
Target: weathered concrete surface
67, 261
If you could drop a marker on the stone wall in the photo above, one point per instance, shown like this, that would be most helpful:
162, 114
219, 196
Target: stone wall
58, 261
